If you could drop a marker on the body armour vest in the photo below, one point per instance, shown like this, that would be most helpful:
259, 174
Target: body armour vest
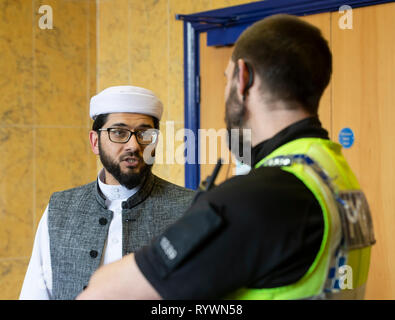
77, 231
340, 268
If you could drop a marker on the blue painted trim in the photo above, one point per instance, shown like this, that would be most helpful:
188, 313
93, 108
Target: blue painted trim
230, 31
225, 36
192, 104
228, 23
251, 12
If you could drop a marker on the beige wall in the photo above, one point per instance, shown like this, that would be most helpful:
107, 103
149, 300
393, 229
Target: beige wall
46, 79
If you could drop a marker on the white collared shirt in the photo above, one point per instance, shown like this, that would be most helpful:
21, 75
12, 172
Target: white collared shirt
38, 279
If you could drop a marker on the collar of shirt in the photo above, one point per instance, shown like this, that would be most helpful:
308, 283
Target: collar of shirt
306, 128
115, 192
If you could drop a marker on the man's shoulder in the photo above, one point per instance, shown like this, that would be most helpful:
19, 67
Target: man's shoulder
76, 192
172, 189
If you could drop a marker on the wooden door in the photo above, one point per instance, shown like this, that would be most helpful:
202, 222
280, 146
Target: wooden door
364, 100
213, 63
323, 22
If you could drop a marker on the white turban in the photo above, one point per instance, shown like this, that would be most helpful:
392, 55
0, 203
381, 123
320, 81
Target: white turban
126, 99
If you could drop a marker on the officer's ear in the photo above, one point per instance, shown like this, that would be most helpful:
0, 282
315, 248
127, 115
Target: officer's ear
245, 77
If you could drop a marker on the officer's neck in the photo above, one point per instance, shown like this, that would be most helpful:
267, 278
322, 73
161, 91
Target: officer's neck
267, 119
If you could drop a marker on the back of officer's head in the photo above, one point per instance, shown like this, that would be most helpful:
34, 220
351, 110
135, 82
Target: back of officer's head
291, 58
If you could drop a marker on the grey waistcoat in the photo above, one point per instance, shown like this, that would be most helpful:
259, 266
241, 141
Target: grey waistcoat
78, 223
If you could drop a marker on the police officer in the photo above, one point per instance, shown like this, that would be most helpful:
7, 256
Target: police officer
297, 226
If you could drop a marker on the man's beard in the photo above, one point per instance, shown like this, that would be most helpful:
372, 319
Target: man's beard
235, 119
234, 110
128, 180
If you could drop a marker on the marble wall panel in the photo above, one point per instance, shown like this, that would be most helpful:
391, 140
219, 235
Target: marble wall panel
113, 62
61, 64
16, 192
148, 47
46, 80
12, 273
16, 62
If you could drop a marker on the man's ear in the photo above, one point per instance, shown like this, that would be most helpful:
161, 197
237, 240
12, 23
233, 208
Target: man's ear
94, 140
244, 77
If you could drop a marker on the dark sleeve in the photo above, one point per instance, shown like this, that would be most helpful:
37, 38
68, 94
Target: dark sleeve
251, 231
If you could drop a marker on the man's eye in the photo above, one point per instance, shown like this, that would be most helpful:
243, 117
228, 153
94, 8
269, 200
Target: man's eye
119, 132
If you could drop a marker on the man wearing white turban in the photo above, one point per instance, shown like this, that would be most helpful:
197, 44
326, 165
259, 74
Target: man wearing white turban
98, 223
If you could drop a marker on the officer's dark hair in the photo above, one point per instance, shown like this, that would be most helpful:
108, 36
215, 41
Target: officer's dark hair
101, 119
291, 58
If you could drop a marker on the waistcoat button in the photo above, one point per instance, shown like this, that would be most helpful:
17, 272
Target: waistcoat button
103, 221
93, 253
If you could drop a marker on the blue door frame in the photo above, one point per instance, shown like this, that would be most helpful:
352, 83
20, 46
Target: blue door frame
223, 27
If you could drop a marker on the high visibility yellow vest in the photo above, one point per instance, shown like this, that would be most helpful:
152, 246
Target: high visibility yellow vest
340, 268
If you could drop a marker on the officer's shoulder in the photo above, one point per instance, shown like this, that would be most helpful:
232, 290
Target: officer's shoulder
263, 175
265, 181
262, 187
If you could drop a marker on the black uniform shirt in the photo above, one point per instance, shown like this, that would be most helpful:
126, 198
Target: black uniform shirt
261, 230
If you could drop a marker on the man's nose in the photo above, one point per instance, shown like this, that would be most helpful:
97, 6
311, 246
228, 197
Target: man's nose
132, 144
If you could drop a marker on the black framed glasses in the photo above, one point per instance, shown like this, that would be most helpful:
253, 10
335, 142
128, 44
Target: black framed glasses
123, 135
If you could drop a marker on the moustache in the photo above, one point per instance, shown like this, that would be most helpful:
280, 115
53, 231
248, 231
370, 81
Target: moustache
131, 155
